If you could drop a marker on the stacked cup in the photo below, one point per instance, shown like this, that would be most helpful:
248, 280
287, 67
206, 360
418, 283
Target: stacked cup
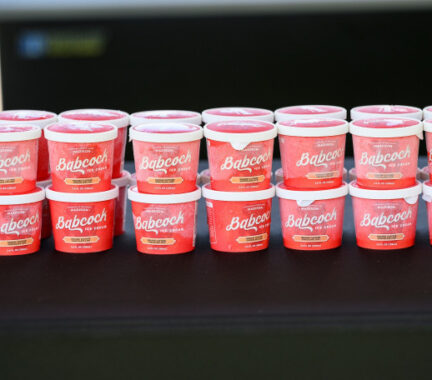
426, 171
312, 194
238, 198
166, 148
385, 192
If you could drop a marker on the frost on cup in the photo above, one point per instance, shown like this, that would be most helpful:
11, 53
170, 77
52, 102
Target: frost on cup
385, 110
39, 119
163, 116
310, 112
82, 223
81, 156
21, 222
164, 223
312, 220
166, 157
236, 113
385, 219
386, 152
18, 158
238, 221
119, 119
120, 203
240, 154
312, 152
46, 216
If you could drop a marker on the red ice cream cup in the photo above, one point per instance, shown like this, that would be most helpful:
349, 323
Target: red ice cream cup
82, 222
312, 152
81, 156
427, 197
386, 152
46, 215
21, 222
427, 124
164, 116
119, 119
37, 118
239, 221
237, 113
165, 224
312, 220
310, 112
120, 203
166, 157
18, 158
385, 110
240, 154
385, 219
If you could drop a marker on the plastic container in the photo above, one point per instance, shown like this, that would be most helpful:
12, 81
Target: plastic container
166, 157
385, 219
119, 119
164, 223
386, 110
39, 119
46, 215
427, 197
427, 124
312, 152
163, 116
386, 152
81, 156
310, 112
427, 113
312, 220
18, 158
21, 222
240, 154
239, 221
83, 223
236, 113
120, 203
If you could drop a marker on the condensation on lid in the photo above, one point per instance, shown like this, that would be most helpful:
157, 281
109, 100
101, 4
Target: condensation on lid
92, 114
309, 110
238, 111
240, 126
313, 123
80, 128
385, 123
26, 115
12, 128
165, 114
167, 128
386, 109
19, 132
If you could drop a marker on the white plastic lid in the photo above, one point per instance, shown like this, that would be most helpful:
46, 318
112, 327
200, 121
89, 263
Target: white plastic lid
236, 113
406, 193
385, 110
310, 195
427, 191
166, 132
122, 181
133, 179
19, 132
82, 197
310, 112
36, 195
427, 125
237, 196
33, 117
71, 132
117, 118
163, 116
427, 112
135, 196
313, 127
387, 127
45, 183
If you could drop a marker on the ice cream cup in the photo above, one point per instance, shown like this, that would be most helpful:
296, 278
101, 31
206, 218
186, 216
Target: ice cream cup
46, 216
312, 152
119, 119
205, 176
83, 222
164, 223
310, 112
81, 156
386, 110
386, 152
21, 222
236, 113
385, 219
312, 220
427, 124
239, 221
240, 154
427, 197
164, 116
37, 118
424, 174
18, 158
120, 203
166, 157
